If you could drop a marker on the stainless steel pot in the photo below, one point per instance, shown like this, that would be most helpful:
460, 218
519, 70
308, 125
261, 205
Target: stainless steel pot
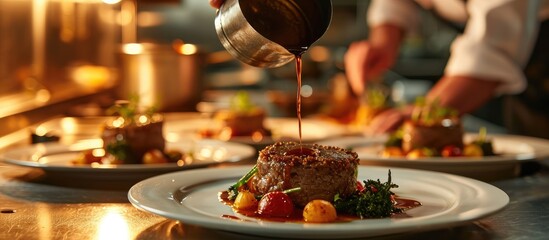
268, 34
169, 77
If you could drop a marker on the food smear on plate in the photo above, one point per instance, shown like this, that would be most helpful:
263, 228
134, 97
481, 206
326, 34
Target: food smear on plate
134, 136
310, 183
434, 131
242, 119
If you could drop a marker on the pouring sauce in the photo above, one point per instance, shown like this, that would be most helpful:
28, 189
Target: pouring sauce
298, 70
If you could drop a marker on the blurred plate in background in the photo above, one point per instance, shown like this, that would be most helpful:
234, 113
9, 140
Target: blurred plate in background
511, 151
56, 159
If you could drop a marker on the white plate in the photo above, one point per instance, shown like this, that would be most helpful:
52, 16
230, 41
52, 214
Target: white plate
511, 150
281, 128
56, 158
448, 200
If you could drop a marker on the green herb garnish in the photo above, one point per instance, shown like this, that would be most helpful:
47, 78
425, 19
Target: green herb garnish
430, 113
120, 150
130, 109
241, 102
374, 201
233, 189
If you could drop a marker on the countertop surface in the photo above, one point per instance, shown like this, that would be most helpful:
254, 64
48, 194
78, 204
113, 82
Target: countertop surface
33, 207
38, 205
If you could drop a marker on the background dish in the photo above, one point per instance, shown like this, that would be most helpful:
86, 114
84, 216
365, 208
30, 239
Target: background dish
281, 128
448, 200
512, 150
56, 159
178, 126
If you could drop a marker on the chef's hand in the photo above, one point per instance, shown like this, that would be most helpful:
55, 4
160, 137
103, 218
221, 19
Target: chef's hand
216, 3
367, 59
388, 121
462, 93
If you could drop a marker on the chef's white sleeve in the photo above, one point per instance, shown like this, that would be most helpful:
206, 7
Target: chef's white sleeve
402, 13
497, 42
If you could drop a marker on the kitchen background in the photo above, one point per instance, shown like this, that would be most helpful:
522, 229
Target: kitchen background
75, 57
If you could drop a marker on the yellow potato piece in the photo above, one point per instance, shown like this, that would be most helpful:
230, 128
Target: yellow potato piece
472, 150
245, 200
392, 152
319, 211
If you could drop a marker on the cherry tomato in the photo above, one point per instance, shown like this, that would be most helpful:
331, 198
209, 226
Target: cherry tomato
359, 186
275, 204
451, 151
154, 156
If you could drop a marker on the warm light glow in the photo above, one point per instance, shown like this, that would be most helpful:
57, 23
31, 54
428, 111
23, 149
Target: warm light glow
306, 90
99, 152
69, 125
86, 144
143, 119
132, 48
38, 153
447, 122
111, 1
113, 226
41, 131
42, 95
257, 136
91, 76
147, 88
119, 122
206, 152
219, 154
44, 220
171, 137
187, 49
225, 134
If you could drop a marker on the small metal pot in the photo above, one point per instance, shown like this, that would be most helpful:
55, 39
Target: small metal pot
166, 76
270, 33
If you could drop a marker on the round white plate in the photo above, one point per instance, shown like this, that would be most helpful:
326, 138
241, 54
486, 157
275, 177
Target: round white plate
56, 158
447, 200
511, 150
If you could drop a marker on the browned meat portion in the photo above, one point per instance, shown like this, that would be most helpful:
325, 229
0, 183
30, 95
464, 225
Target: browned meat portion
320, 171
140, 139
243, 124
436, 136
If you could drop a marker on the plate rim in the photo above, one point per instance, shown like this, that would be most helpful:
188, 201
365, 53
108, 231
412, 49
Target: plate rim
136, 194
121, 168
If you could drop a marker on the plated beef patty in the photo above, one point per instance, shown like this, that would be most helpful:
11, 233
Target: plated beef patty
320, 171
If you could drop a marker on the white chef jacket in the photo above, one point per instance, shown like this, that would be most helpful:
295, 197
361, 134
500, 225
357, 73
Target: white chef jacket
497, 40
